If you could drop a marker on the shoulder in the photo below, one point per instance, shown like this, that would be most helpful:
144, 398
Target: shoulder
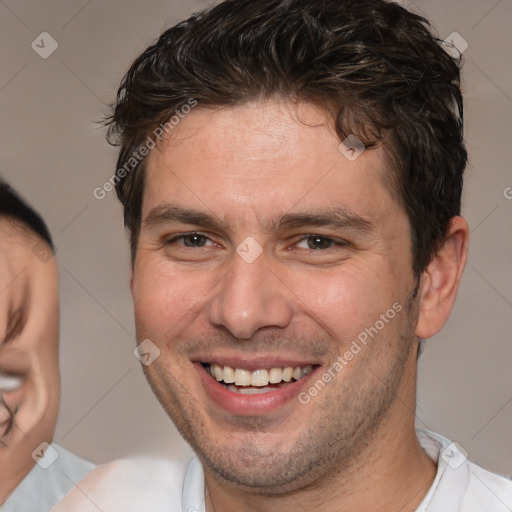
129, 485
70, 464
48, 481
461, 484
487, 491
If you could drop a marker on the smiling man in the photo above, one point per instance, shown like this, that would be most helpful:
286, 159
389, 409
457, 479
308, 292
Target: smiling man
293, 197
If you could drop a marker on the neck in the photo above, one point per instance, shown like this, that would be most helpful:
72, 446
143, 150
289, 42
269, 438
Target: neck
392, 472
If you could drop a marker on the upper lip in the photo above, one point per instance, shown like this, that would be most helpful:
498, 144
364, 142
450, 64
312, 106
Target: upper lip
255, 362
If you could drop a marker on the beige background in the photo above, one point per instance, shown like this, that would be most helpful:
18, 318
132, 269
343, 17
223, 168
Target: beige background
52, 150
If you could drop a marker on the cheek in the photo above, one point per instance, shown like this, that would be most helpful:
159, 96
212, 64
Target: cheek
345, 300
164, 296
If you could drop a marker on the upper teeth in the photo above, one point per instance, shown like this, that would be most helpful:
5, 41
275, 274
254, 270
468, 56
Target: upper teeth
258, 378
9, 382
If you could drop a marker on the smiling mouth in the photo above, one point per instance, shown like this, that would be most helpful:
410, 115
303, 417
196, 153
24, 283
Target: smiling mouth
9, 382
259, 381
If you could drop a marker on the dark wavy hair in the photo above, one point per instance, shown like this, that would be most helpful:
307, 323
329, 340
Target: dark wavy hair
16, 209
378, 70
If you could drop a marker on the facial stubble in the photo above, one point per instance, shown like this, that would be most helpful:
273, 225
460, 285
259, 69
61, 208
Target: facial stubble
343, 420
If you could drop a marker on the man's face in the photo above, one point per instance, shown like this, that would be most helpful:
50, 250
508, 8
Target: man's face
29, 374
329, 256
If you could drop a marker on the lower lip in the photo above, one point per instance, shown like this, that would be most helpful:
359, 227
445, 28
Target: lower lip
250, 405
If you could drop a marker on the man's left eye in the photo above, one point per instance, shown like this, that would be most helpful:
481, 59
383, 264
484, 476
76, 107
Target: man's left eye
316, 242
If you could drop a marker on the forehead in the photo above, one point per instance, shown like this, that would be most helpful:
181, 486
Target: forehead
261, 157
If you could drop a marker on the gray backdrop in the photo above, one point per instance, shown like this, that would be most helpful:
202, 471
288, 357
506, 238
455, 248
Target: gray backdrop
54, 152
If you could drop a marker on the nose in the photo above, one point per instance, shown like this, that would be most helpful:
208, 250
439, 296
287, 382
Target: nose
250, 297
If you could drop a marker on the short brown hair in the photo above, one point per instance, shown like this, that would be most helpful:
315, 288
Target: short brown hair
377, 68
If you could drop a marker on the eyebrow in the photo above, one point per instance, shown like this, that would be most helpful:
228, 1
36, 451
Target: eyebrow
168, 214
336, 218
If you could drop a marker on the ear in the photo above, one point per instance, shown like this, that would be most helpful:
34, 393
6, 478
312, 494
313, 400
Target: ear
440, 280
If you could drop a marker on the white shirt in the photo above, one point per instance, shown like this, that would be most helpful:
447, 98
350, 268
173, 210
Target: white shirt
155, 485
42, 488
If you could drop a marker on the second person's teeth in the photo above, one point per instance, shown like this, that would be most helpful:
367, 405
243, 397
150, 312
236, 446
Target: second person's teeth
9, 382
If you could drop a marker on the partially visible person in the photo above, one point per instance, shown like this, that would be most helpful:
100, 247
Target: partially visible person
29, 372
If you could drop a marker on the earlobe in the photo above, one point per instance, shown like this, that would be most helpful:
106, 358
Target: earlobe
440, 280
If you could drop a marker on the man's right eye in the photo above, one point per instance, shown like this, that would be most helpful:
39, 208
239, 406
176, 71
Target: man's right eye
191, 240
